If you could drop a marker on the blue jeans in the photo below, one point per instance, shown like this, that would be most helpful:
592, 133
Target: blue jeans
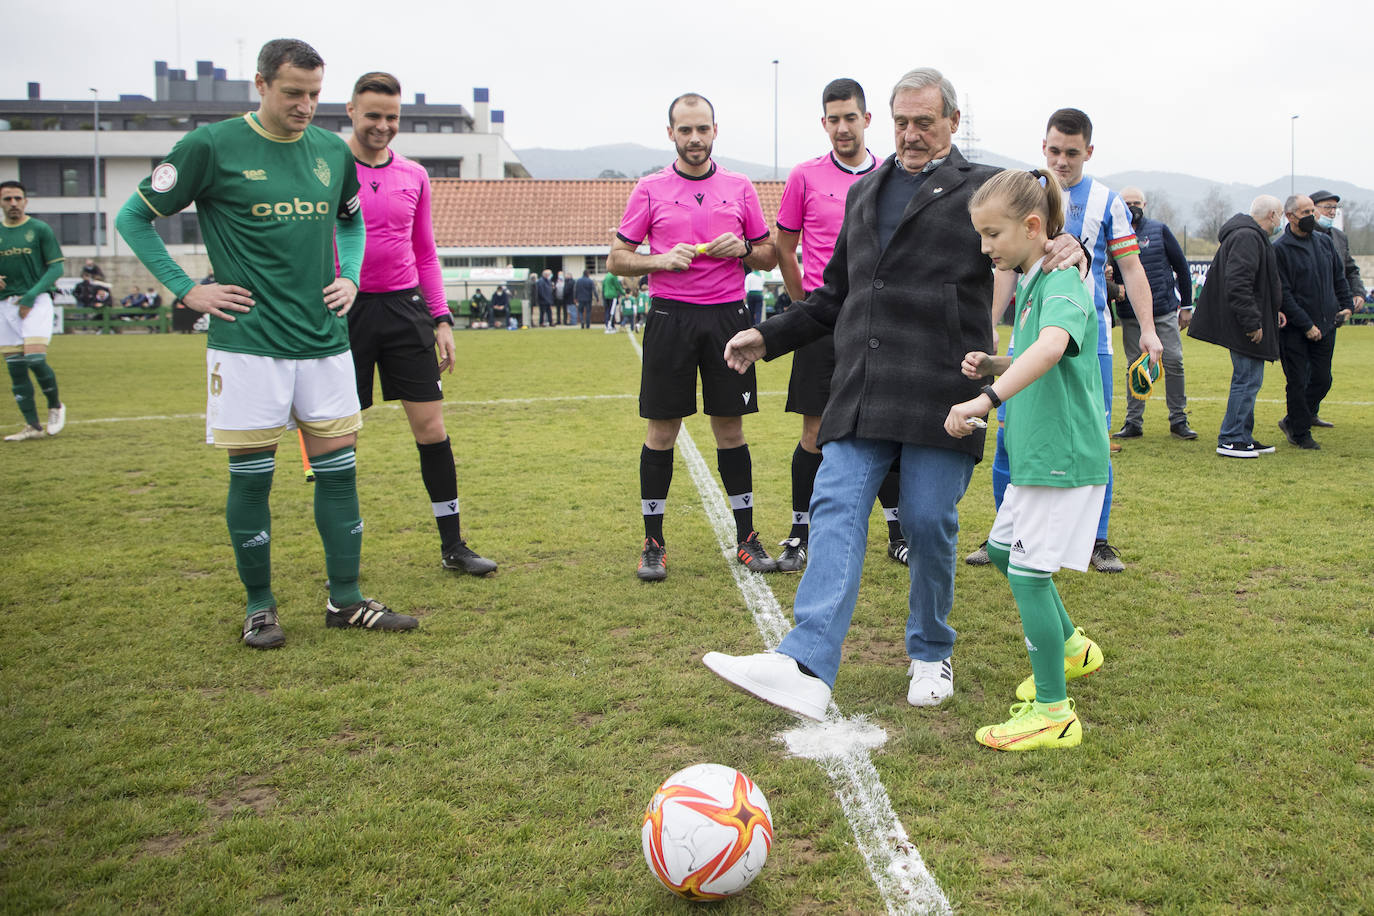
933, 480
1238, 423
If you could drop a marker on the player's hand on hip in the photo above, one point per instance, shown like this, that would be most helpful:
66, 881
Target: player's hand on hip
678, 258
218, 299
725, 245
443, 338
2, 281
1062, 251
339, 296
24, 312
744, 349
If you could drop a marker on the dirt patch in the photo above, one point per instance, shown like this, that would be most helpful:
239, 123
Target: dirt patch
245, 794
164, 846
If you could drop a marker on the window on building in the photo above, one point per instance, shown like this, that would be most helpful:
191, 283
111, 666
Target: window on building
72, 228
59, 177
468, 261
420, 127
596, 263
178, 229
445, 127
443, 168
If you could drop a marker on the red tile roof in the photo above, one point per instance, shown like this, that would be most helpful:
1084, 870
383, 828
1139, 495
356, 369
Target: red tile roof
532, 213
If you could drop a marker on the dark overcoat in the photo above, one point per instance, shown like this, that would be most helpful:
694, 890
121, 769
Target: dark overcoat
1242, 292
903, 316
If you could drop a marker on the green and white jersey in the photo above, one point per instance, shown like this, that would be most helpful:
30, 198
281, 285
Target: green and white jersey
1055, 433
26, 252
267, 207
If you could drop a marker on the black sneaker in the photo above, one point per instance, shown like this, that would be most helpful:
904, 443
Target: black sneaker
653, 561
1307, 443
1107, 558
1261, 449
1182, 431
793, 557
463, 558
752, 554
1237, 450
1283, 428
1129, 431
370, 614
1316, 421
979, 557
897, 550
261, 630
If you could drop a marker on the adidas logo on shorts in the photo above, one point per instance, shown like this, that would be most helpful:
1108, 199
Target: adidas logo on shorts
261, 539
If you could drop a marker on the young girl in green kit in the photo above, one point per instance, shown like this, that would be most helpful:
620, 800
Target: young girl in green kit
1057, 446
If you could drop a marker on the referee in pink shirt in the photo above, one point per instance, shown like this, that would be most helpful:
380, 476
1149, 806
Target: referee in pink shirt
705, 230
401, 313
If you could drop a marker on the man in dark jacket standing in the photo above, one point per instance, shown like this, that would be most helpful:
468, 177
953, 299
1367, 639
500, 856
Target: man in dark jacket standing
1238, 308
586, 295
1171, 291
543, 289
1316, 301
906, 294
1328, 205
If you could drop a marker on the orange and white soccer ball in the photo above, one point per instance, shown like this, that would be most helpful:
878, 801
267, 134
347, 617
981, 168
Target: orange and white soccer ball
707, 832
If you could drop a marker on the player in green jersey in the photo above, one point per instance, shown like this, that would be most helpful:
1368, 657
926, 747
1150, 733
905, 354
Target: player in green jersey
274, 197
30, 260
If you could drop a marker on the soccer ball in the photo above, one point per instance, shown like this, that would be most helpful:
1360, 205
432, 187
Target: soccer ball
707, 832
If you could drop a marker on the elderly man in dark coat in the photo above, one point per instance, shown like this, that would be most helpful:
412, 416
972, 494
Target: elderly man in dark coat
907, 293
1238, 309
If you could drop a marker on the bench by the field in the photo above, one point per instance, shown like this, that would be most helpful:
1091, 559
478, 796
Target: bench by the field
116, 320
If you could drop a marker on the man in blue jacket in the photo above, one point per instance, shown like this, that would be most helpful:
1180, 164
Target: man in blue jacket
1171, 288
1316, 301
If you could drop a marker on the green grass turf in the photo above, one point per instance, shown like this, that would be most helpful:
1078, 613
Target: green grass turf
498, 760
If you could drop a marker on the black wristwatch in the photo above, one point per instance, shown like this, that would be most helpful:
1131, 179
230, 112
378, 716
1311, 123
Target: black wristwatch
748, 249
443, 319
992, 396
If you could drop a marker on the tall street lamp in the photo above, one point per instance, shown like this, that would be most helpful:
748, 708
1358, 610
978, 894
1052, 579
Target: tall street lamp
1292, 155
95, 172
775, 120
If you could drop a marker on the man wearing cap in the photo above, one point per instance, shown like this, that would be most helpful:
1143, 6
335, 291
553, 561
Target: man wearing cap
1328, 206
1316, 301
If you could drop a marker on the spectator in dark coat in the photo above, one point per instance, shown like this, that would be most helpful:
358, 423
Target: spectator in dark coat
1328, 205
544, 292
1238, 308
586, 296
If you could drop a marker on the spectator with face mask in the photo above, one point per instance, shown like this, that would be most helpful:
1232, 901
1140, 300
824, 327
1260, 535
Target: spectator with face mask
1328, 210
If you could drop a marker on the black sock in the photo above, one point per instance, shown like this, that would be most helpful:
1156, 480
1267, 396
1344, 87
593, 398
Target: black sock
441, 483
887, 497
737, 473
655, 477
804, 467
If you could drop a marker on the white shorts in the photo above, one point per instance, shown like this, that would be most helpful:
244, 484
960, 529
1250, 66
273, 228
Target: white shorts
1047, 528
251, 400
35, 328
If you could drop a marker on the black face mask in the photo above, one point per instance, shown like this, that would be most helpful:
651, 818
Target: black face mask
1307, 224
1137, 215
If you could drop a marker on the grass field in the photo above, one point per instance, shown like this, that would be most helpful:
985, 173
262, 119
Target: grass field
499, 760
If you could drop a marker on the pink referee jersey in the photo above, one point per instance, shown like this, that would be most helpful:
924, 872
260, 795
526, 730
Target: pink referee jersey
400, 250
668, 207
813, 206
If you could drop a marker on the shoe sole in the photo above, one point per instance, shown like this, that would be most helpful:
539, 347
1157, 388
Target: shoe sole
765, 693
335, 621
1225, 453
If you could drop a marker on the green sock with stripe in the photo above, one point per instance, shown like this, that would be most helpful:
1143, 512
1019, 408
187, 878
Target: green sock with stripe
22, 387
249, 514
339, 522
47, 379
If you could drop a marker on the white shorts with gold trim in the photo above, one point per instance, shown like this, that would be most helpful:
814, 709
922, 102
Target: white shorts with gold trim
33, 328
1047, 528
252, 400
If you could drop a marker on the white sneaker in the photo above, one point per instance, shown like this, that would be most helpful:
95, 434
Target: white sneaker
28, 432
773, 678
57, 418
931, 682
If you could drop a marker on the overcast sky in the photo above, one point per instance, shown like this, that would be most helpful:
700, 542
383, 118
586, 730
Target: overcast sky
1189, 87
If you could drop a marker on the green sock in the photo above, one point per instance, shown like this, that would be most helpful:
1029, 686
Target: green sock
339, 522
249, 515
22, 387
47, 381
1000, 555
1056, 711
1034, 592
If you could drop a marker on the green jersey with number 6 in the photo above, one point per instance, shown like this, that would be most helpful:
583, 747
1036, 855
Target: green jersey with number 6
266, 206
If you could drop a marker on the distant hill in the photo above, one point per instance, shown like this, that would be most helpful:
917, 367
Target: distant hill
1169, 190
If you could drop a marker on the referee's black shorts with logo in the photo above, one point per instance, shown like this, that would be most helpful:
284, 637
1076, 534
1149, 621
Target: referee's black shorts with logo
394, 332
808, 389
682, 339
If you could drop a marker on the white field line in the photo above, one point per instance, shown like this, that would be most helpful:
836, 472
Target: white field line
904, 883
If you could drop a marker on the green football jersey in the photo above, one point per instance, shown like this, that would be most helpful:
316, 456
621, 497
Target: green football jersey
26, 252
266, 207
1056, 427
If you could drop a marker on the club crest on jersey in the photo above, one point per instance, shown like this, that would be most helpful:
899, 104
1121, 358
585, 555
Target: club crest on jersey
30, 236
164, 178
322, 172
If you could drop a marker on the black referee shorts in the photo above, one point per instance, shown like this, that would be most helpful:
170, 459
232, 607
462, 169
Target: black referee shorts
808, 390
395, 333
681, 340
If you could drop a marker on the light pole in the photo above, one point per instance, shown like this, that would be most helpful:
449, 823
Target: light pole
1292, 155
95, 172
775, 120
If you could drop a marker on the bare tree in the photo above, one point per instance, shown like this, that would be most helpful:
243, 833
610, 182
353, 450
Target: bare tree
1212, 213
1359, 225
612, 173
1161, 207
